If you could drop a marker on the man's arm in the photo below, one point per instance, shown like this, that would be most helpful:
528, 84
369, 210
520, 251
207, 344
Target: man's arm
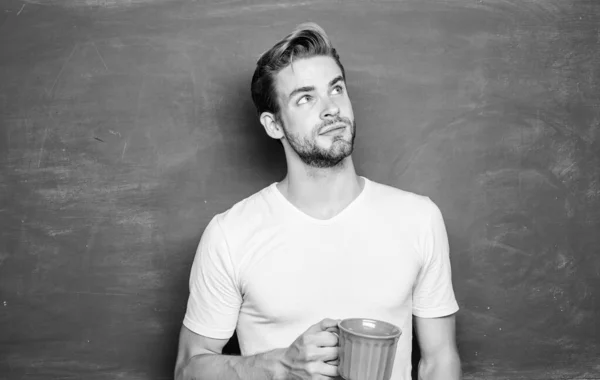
200, 358
439, 354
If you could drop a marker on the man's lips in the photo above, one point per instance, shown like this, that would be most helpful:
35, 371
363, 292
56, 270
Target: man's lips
333, 128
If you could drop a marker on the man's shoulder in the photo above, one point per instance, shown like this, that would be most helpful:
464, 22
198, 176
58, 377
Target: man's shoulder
394, 197
248, 211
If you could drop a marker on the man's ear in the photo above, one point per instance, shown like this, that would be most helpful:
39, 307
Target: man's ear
272, 127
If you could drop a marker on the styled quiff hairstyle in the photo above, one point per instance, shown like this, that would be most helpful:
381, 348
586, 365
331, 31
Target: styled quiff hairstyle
307, 40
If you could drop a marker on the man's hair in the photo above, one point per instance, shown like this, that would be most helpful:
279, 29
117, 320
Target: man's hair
307, 40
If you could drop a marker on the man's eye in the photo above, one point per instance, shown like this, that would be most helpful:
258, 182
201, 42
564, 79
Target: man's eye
304, 99
338, 89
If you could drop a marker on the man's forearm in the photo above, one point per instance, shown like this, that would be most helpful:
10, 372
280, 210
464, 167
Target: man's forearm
266, 366
445, 367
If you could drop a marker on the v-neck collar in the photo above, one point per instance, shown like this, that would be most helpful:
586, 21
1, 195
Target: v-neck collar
312, 219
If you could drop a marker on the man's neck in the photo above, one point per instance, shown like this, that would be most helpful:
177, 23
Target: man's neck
322, 193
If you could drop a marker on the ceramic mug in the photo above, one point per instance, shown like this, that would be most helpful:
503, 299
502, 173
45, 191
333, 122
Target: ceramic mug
367, 348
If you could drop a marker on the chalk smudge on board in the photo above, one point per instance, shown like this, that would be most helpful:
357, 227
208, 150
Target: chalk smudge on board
42, 148
144, 219
100, 56
49, 93
96, 3
237, 10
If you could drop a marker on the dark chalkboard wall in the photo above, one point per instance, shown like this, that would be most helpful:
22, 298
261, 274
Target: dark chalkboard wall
125, 125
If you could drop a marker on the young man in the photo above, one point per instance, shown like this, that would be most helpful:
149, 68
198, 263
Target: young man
285, 264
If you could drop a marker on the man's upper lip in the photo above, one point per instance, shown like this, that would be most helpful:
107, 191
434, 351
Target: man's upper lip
333, 127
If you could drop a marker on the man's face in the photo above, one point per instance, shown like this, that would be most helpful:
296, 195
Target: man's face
315, 111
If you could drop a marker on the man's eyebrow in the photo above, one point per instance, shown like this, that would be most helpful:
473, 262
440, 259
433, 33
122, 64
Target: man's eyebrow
339, 78
301, 89
296, 91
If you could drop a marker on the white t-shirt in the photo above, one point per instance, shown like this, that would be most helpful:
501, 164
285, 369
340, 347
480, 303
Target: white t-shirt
270, 271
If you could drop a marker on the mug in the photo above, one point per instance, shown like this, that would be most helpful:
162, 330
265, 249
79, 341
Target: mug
367, 348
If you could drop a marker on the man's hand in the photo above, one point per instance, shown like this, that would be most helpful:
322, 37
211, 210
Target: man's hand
313, 355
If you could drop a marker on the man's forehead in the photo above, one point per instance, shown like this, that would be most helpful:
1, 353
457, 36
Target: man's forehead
314, 71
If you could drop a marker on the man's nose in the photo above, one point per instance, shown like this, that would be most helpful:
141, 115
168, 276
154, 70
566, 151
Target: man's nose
330, 109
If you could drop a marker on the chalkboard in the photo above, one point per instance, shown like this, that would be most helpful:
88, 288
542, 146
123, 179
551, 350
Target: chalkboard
125, 125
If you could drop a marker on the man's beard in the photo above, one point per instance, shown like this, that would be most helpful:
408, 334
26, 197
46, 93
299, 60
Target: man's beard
317, 157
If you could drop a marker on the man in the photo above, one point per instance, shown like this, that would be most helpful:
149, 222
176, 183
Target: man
285, 264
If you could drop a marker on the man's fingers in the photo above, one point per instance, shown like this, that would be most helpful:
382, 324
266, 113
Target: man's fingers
321, 354
328, 323
328, 370
323, 325
325, 339
328, 354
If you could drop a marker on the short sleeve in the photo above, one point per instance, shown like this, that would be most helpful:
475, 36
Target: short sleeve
433, 295
214, 301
